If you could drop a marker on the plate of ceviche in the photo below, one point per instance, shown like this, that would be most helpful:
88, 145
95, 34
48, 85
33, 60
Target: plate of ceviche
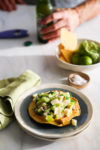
53, 111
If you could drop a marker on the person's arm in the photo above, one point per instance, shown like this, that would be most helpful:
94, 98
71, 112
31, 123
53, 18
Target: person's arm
69, 18
89, 10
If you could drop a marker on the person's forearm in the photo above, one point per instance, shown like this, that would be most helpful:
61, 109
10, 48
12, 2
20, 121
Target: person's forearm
88, 10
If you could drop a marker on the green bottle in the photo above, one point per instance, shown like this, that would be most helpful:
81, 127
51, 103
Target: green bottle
43, 9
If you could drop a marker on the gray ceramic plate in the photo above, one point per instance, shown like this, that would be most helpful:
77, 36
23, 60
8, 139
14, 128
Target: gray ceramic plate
56, 139
48, 131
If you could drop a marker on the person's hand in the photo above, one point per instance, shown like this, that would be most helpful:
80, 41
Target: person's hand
9, 5
67, 18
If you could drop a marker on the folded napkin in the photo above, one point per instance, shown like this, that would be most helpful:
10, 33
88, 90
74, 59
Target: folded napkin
10, 90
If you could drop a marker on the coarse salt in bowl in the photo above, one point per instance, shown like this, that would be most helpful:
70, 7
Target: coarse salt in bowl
78, 80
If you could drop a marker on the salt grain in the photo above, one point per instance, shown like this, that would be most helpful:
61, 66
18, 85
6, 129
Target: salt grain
77, 79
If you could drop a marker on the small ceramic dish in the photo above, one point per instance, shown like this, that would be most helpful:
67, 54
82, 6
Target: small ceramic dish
74, 67
83, 75
49, 131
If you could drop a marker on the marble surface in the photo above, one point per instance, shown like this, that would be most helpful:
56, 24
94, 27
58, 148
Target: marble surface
15, 58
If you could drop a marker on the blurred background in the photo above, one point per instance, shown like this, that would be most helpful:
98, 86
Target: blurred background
59, 3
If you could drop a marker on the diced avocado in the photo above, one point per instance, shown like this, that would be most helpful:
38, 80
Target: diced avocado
42, 100
53, 107
39, 110
43, 95
45, 99
52, 98
62, 94
57, 105
67, 98
44, 104
49, 118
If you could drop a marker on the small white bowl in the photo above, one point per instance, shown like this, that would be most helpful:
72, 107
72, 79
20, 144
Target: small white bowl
73, 67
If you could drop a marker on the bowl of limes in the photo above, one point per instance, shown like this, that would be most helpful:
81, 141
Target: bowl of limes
85, 57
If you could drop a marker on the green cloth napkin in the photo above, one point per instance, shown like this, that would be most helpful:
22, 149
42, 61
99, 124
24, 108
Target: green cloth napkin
10, 90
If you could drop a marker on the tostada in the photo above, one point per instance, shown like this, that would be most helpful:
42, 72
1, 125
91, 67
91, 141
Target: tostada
54, 107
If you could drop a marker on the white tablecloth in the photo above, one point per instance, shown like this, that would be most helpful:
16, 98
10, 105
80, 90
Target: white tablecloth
15, 58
